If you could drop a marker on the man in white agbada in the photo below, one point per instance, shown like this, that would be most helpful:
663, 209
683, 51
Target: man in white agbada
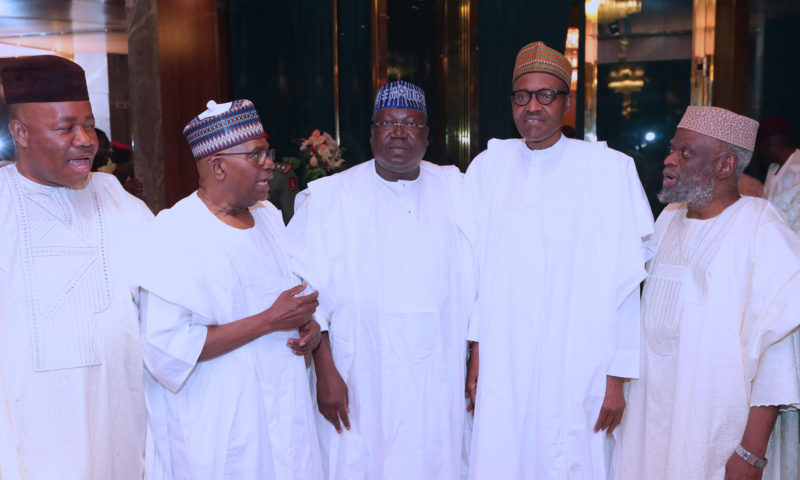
383, 243
71, 388
561, 256
227, 388
782, 187
718, 308
774, 144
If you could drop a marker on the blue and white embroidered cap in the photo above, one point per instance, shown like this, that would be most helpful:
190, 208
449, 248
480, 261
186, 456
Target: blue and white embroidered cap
222, 126
400, 94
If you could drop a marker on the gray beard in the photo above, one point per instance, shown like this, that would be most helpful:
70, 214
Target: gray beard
696, 190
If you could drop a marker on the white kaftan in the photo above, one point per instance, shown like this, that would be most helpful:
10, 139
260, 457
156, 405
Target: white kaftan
561, 248
782, 177
246, 414
718, 308
71, 387
394, 273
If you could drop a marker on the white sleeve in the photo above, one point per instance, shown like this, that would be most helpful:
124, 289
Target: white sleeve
776, 382
308, 257
171, 340
625, 360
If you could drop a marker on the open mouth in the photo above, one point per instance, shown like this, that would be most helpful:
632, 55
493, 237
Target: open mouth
264, 182
669, 180
81, 165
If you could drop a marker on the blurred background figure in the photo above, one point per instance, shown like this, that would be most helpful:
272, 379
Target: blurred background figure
115, 158
774, 146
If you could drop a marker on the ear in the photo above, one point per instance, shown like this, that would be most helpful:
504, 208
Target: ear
568, 103
217, 167
725, 166
19, 131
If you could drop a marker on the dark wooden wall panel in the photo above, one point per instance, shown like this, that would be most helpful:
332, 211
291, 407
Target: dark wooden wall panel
193, 70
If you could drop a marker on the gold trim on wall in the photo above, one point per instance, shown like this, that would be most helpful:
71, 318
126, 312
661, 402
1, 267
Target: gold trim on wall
336, 71
380, 45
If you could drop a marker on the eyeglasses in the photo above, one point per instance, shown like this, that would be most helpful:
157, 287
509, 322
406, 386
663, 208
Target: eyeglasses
405, 126
545, 96
257, 157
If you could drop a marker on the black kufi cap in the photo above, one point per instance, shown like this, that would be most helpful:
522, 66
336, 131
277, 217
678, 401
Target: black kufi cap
43, 78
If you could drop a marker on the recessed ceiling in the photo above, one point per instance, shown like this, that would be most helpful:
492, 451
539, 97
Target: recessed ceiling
66, 27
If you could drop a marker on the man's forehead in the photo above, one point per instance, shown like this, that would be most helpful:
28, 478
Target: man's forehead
399, 113
56, 111
688, 137
539, 80
247, 146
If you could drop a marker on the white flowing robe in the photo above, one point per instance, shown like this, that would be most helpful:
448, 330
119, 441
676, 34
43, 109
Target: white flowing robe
718, 309
782, 177
561, 248
395, 277
784, 447
71, 387
246, 414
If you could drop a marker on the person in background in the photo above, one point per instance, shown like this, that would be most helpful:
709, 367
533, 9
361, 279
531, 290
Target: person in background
774, 144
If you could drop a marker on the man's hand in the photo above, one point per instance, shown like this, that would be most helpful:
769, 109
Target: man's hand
613, 406
471, 391
332, 398
738, 469
760, 422
290, 312
134, 186
308, 341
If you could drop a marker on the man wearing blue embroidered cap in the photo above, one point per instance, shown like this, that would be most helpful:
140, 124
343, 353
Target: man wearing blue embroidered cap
220, 309
383, 243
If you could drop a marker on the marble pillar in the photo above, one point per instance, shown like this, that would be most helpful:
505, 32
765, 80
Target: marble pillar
145, 95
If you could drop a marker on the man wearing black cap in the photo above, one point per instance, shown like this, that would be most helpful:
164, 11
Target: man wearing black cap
71, 386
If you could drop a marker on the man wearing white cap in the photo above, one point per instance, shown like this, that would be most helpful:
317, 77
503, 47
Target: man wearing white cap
71, 387
561, 245
719, 307
383, 243
227, 389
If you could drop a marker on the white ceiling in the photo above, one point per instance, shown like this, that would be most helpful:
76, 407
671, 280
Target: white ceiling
65, 27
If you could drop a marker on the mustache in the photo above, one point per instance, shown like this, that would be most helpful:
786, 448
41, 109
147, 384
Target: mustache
534, 114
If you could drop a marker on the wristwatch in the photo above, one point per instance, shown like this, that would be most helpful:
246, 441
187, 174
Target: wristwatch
750, 458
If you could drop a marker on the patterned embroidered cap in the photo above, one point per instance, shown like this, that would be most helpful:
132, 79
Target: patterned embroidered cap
222, 126
45, 79
538, 57
400, 94
721, 124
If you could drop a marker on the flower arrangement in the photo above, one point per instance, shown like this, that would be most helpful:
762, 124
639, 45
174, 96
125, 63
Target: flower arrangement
320, 155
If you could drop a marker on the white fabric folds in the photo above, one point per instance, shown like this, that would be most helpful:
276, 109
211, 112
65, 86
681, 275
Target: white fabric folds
245, 414
561, 246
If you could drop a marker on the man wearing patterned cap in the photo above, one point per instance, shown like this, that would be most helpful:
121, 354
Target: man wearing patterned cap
71, 387
718, 310
561, 255
383, 243
227, 388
